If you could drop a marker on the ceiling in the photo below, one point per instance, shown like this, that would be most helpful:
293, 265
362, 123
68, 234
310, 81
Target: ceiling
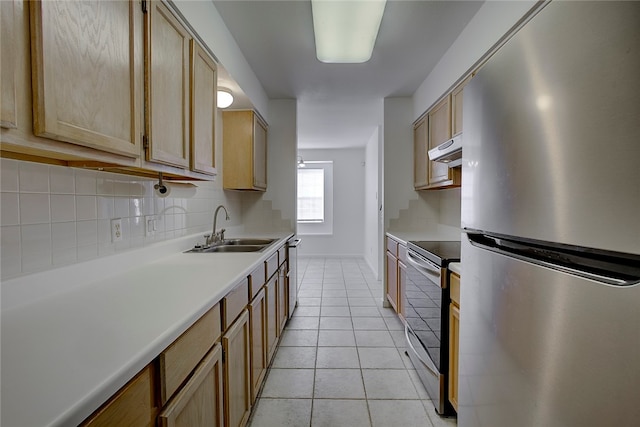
340, 105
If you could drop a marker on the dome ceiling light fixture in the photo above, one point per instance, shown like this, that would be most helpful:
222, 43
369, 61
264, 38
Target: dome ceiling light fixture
225, 98
346, 30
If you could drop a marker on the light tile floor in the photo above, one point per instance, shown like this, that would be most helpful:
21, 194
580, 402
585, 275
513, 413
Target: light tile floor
341, 360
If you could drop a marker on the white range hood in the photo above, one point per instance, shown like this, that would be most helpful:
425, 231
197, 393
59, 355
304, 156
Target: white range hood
449, 152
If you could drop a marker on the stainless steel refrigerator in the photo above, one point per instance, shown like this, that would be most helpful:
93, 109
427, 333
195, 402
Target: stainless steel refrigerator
550, 295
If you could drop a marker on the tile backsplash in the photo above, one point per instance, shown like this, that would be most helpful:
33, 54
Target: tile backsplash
53, 215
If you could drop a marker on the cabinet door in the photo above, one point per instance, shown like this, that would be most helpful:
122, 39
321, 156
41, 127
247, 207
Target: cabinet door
402, 282
456, 107
439, 132
167, 87
258, 333
454, 351
392, 281
272, 316
282, 299
204, 81
420, 156
259, 154
200, 402
237, 372
86, 61
456, 110
9, 33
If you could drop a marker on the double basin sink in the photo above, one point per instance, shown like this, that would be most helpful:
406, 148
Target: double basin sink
234, 245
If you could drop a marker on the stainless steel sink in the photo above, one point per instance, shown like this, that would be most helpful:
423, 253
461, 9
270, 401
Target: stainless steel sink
235, 245
248, 241
234, 248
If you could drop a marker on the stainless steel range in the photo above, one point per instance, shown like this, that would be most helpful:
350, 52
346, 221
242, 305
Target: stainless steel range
427, 315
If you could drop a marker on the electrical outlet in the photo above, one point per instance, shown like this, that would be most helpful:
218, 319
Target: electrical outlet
150, 225
116, 230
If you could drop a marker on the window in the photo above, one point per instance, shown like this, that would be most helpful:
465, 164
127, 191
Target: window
310, 195
315, 198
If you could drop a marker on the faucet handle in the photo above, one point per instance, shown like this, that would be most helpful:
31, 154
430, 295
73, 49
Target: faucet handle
222, 234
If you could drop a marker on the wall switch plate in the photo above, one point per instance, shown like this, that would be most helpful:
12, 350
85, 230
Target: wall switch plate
116, 230
149, 225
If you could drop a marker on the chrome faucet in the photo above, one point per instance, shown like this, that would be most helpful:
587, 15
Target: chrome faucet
216, 237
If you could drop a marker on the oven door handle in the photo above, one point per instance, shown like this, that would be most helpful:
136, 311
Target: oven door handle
423, 266
431, 367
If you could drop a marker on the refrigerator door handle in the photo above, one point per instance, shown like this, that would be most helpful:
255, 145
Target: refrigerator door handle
607, 267
431, 367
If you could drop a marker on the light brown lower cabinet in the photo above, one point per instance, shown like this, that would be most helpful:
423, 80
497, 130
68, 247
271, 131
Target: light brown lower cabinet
200, 401
402, 290
271, 295
257, 312
237, 372
283, 297
392, 280
454, 339
211, 374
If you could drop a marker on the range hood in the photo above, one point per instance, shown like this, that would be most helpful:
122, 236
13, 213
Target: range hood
449, 152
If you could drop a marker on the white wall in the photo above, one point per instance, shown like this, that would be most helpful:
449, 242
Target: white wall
398, 156
282, 149
486, 28
207, 22
276, 208
372, 201
348, 193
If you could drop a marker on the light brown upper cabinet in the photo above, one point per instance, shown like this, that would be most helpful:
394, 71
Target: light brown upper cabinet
439, 132
87, 63
420, 156
9, 43
456, 107
439, 124
166, 87
244, 151
204, 82
456, 110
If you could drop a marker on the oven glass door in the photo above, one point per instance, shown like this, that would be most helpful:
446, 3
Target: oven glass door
423, 309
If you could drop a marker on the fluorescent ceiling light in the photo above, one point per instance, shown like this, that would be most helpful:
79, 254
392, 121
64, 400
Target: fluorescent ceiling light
225, 99
346, 30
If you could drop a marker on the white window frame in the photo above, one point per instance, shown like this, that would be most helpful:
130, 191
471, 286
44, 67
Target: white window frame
325, 227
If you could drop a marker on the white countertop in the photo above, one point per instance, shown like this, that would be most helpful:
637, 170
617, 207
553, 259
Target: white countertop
65, 354
456, 267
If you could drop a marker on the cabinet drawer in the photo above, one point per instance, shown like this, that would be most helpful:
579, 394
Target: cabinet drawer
256, 280
455, 288
271, 265
132, 405
402, 253
181, 357
392, 246
235, 302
